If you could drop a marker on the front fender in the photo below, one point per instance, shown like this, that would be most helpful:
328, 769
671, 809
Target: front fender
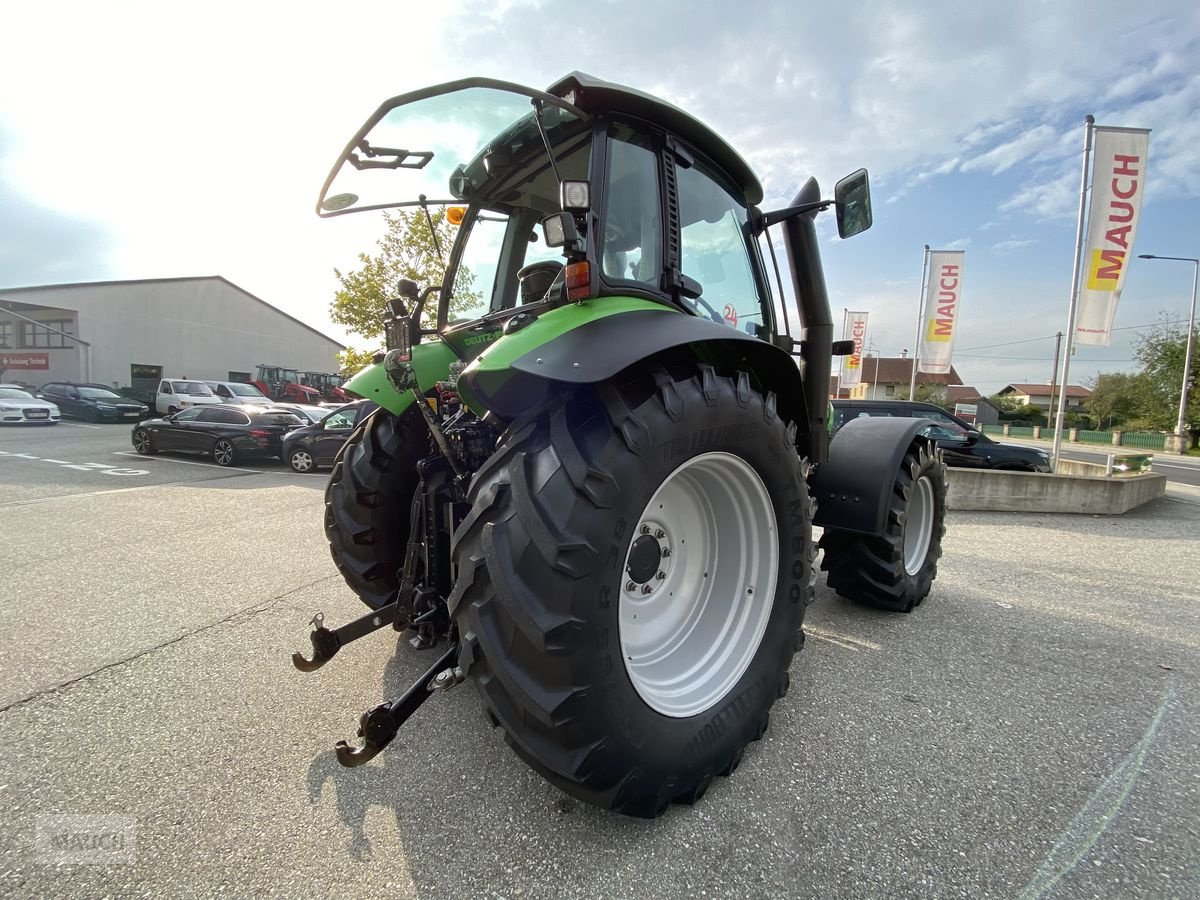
430, 361
852, 487
591, 341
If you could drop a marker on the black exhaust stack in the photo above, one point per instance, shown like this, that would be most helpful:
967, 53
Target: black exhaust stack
816, 348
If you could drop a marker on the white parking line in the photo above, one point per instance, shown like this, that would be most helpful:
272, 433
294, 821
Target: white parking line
144, 487
188, 462
103, 468
79, 424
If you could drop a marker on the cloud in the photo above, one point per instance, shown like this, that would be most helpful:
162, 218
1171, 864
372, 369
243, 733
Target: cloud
45, 246
1008, 246
1004, 156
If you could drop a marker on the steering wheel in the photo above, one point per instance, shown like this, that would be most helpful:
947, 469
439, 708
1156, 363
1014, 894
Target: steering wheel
697, 302
537, 279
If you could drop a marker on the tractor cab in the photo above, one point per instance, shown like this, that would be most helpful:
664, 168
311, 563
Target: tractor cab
590, 194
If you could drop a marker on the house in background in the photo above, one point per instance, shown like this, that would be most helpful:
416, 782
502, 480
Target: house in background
1039, 395
986, 412
888, 378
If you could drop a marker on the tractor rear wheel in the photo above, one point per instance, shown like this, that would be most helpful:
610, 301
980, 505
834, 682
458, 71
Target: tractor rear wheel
895, 570
368, 499
633, 576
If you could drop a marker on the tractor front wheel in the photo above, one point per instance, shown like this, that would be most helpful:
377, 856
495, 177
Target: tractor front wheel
895, 570
368, 500
632, 580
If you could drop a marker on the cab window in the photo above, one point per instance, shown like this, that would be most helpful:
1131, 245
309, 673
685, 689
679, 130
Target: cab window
715, 250
632, 218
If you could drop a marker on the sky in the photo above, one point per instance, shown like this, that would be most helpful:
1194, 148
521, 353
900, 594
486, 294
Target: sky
144, 140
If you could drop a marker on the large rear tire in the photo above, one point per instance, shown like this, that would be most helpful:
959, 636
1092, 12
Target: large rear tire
368, 500
563, 551
895, 570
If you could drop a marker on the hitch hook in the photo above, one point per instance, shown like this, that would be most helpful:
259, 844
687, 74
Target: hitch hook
327, 642
379, 724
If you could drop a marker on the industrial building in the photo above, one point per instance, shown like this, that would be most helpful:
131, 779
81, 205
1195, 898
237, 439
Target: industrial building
131, 333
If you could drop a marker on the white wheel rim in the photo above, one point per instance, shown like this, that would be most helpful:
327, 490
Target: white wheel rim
918, 525
688, 637
301, 461
223, 453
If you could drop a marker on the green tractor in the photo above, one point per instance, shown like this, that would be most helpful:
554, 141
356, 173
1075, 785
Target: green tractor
600, 452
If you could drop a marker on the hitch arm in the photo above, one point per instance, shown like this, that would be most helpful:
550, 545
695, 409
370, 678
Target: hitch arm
327, 642
379, 724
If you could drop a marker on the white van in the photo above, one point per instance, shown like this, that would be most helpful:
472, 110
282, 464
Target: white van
175, 394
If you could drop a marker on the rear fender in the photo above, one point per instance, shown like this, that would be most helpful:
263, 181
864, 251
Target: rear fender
591, 341
430, 362
852, 487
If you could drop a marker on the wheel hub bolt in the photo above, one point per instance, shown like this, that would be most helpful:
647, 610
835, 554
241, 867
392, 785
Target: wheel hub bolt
660, 534
631, 586
646, 589
666, 551
645, 529
661, 575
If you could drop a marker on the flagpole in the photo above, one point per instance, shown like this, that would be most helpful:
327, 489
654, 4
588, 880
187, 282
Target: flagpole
912, 385
842, 359
1089, 124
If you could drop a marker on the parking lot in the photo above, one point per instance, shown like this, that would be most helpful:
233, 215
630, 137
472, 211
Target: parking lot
1030, 731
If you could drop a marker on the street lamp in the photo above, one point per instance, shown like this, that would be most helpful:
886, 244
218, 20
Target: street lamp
1187, 354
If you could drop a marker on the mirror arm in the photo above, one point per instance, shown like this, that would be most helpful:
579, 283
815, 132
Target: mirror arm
775, 216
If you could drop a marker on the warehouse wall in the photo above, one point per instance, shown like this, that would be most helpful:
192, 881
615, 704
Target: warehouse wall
195, 327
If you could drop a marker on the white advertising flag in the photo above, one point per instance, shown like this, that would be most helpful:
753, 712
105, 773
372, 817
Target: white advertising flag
943, 300
856, 330
1118, 183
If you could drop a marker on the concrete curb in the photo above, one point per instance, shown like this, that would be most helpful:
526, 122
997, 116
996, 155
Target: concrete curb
1036, 492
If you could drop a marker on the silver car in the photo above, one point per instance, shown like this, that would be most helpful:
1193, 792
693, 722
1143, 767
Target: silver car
239, 393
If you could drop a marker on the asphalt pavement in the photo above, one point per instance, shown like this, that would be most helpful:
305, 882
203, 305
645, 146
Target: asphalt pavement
1030, 731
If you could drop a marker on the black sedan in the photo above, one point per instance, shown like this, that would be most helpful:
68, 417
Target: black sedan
961, 445
226, 433
92, 402
312, 446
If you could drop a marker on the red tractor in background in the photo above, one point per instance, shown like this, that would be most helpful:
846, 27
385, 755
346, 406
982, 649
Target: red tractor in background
284, 384
328, 384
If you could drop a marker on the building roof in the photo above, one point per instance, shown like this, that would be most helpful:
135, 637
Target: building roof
898, 370
836, 391
221, 278
1043, 390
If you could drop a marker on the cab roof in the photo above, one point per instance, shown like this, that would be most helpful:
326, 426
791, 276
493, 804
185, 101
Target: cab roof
596, 96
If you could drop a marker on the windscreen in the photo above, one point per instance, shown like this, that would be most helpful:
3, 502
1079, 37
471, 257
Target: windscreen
191, 387
245, 390
440, 146
98, 394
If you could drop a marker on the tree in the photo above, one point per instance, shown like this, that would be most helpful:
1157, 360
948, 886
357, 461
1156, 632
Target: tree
1115, 399
925, 393
406, 250
351, 361
1161, 352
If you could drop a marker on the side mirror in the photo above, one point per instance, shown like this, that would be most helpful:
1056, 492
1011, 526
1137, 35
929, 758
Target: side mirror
973, 437
852, 199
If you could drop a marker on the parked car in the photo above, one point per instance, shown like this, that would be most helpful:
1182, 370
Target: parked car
92, 402
18, 406
961, 444
237, 392
311, 414
225, 433
175, 394
307, 449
